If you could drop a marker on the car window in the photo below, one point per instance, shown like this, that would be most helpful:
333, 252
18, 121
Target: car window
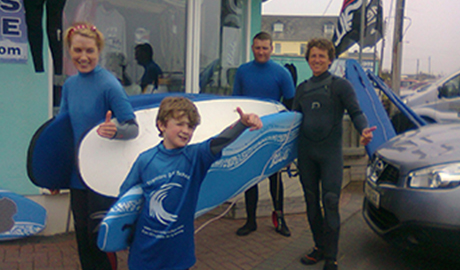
451, 89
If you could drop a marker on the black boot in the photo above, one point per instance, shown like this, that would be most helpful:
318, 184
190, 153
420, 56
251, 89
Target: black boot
280, 223
246, 229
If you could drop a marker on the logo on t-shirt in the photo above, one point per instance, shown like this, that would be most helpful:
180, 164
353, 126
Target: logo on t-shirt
157, 209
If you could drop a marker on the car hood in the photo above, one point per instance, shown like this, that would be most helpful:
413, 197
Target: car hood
428, 145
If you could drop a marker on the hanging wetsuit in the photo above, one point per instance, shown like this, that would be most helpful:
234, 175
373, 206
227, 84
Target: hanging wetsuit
34, 18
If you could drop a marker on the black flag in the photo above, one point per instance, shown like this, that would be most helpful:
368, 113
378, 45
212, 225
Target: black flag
349, 24
374, 23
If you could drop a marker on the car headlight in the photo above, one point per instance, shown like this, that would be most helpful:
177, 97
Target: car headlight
440, 176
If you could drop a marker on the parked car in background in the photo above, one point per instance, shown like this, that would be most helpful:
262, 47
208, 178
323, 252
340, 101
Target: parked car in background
437, 103
412, 190
406, 83
415, 88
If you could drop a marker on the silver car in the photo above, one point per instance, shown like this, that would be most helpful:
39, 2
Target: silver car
412, 190
438, 102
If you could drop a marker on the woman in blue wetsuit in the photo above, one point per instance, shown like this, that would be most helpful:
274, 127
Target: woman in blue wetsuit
89, 97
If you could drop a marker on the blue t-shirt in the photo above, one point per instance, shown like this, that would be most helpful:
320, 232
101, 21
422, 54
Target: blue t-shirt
263, 80
171, 180
87, 97
151, 74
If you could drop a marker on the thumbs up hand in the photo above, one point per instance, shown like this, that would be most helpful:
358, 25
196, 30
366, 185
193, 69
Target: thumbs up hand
250, 120
108, 129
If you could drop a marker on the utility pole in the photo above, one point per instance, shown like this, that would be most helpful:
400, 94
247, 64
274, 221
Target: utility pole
429, 65
396, 62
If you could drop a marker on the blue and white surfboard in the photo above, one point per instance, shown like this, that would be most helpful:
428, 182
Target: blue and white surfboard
254, 156
19, 216
104, 163
368, 101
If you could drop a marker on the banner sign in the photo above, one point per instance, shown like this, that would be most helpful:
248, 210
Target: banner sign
13, 32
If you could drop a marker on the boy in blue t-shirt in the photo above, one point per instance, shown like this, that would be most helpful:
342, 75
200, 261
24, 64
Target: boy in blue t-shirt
171, 174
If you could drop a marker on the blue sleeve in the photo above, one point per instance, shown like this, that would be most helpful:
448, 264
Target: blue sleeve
237, 85
133, 178
119, 104
206, 158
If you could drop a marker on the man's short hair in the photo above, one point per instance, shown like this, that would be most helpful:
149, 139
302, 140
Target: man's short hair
263, 36
323, 44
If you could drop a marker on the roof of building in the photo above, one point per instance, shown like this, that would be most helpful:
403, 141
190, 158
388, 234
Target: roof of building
298, 28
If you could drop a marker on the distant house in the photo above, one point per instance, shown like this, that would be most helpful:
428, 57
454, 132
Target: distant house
291, 34
290, 37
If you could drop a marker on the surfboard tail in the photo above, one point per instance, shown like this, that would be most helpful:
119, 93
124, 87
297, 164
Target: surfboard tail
368, 100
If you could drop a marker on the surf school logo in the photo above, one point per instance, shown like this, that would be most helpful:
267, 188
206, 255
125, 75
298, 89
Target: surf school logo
157, 209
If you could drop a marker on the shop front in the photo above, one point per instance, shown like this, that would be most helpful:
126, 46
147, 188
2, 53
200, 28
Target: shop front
198, 44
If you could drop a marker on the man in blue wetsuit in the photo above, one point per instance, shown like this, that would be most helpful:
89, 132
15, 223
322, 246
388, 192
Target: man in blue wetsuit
264, 78
322, 100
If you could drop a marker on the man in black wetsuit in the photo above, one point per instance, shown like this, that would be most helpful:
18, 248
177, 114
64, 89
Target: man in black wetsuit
323, 99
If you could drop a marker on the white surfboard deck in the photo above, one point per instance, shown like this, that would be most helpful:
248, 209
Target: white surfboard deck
104, 163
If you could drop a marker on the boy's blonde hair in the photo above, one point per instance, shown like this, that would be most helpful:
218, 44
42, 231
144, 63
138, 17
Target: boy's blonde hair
177, 107
87, 30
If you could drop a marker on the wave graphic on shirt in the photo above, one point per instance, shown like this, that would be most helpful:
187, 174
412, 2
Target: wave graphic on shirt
156, 204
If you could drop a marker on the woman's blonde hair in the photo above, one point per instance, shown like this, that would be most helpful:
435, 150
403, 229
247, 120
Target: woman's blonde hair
85, 29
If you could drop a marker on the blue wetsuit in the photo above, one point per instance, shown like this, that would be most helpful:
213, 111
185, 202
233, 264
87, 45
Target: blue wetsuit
87, 97
264, 80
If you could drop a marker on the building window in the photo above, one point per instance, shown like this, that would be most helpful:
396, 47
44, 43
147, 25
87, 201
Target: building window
221, 45
160, 23
278, 48
278, 27
328, 30
303, 49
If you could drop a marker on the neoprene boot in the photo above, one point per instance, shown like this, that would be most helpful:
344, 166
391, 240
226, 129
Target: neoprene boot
280, 224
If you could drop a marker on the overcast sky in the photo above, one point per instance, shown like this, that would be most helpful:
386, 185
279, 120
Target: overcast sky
431, 30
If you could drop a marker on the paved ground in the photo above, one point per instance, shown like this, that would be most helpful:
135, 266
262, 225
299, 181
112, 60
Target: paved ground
217, 246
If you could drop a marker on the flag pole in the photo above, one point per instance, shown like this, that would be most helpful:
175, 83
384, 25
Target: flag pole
361, 31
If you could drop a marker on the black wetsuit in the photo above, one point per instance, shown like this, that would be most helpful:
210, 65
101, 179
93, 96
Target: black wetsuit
34, 18
323, 101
